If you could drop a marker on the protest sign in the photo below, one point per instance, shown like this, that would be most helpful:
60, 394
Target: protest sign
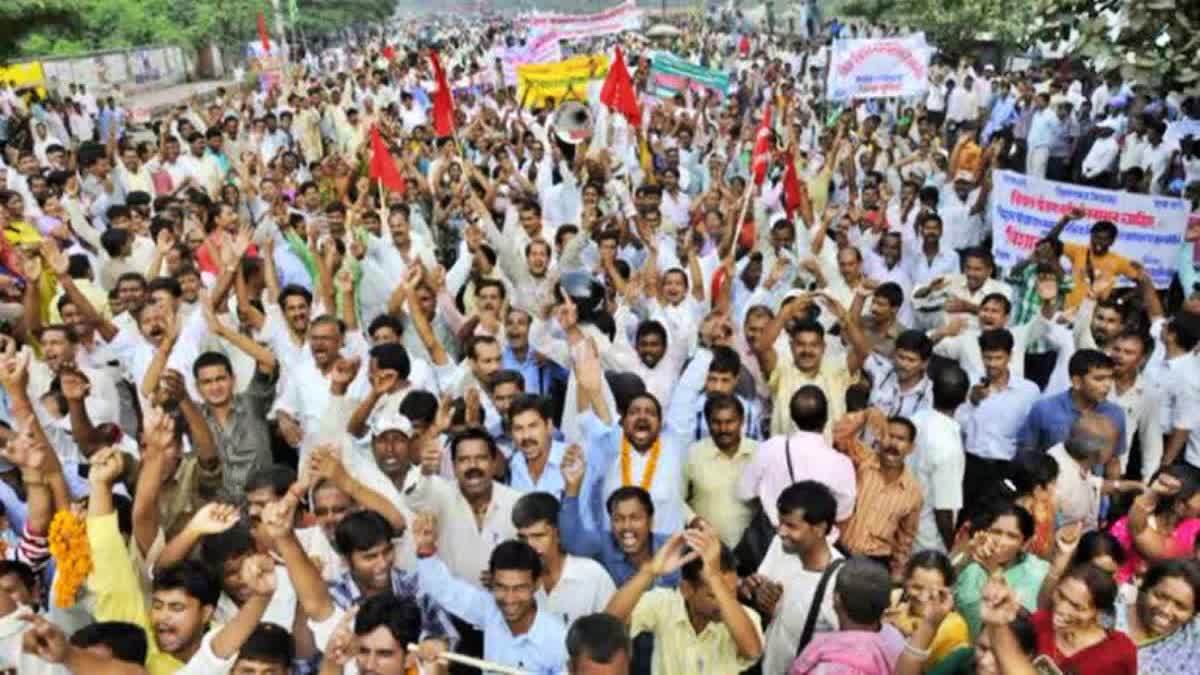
623, 17
670, 75
538, 48
879, 67
574, 77
1150, 228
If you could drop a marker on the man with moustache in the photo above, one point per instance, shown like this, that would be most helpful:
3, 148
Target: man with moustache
536, 466
474, 514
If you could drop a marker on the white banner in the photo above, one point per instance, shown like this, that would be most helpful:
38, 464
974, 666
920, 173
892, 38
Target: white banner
623, 17
538, 48
879, 67
1150, 228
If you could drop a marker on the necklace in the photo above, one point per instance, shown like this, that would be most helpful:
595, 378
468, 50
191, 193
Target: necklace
651, 463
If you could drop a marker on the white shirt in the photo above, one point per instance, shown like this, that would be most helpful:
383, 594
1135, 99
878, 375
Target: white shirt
1141, 405
12, 657
1101, 156
791, 612
938, 462
462, 543
583, 588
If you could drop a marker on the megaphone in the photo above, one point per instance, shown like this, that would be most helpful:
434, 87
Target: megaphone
572, 126
573, 122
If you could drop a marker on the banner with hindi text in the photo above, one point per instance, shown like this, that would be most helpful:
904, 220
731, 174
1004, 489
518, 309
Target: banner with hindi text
623, 17
1150, 228
879, 67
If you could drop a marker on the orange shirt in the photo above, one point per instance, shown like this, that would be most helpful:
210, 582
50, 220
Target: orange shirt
1086, 266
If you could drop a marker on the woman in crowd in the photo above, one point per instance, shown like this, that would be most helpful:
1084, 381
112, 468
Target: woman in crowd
998, 546
1072, 634
1163, 522
1162, 620
928, 576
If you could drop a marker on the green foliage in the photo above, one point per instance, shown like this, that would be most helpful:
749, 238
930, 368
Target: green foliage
1152, 41
66, 27
953, 25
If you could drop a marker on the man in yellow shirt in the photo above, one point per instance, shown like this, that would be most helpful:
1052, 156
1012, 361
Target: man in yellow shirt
183, 598
699, 627
809, 363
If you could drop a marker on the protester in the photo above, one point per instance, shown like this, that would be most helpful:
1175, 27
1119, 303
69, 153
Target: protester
446, 339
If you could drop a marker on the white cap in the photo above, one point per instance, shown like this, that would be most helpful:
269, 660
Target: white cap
392, 421
965, 176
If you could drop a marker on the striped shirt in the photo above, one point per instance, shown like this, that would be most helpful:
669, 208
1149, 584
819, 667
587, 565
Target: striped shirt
886, 513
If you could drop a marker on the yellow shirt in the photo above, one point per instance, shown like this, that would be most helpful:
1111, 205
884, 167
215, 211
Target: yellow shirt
711, 477
1109, 265
677, 648
833, 378
119, 596
951, 634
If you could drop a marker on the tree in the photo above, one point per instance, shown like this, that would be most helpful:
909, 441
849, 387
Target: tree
21, 18
953, 26
1152, 41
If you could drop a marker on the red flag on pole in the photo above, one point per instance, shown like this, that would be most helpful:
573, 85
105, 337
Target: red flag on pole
383, 167
794, 194
744, 46
761, 157
263, 35
443, 100
389, 52
618, 93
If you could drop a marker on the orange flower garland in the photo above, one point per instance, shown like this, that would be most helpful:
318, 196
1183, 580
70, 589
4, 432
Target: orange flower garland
651, 463
70, 548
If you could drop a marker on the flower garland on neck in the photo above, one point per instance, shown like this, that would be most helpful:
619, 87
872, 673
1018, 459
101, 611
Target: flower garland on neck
651, 463
69, 546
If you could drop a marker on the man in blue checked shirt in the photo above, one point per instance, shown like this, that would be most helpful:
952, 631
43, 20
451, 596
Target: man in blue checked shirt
364, 539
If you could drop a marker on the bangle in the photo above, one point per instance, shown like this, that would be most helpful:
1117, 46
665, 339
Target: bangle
922, 654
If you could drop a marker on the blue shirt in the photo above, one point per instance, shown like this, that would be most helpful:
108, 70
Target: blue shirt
601, 547
538, 376
435, 623
551, 479
541, 650
1050, 419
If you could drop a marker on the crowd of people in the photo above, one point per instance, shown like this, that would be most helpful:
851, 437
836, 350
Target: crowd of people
618, 406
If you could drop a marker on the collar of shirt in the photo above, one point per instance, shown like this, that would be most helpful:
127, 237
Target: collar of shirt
707, 449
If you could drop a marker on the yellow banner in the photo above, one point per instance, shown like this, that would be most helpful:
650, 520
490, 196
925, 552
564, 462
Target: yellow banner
537, 83
25, 75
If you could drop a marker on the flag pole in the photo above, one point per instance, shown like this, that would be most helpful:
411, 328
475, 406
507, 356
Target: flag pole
737, 231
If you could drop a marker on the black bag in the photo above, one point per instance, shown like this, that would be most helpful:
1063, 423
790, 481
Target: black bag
814, 610
752, 547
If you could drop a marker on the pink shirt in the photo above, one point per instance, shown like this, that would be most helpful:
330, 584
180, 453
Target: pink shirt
1183, 539
766, 476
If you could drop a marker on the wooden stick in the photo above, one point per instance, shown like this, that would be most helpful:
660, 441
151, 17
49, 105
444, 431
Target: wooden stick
486, 666
737, 231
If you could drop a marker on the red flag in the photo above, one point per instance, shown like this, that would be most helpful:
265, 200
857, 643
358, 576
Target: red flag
793, 193
389, 52
618, 93
761, 156
383, 167
263, 34
443, 100
744, 46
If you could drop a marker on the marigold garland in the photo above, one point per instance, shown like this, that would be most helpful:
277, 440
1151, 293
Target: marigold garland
651, 463
70, 548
